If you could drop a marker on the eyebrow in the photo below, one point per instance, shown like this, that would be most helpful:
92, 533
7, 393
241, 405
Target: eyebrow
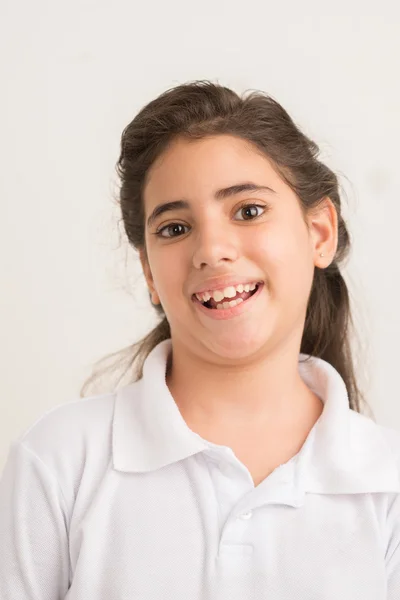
221, 194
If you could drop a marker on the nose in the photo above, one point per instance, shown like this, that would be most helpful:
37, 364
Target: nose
213, 246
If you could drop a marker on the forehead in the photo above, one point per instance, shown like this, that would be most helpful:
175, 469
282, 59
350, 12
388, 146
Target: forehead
208, 163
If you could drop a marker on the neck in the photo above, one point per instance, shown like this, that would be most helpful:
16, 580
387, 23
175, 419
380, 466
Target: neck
265, 392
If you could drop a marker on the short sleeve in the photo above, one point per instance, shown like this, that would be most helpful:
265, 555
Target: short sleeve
34, 557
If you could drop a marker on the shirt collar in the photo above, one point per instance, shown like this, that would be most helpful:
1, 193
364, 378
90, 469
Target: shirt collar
345, 452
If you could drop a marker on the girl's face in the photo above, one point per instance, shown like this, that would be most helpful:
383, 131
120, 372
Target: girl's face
200, 238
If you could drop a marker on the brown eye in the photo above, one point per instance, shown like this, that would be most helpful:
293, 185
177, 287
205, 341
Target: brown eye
173, 229
249, 211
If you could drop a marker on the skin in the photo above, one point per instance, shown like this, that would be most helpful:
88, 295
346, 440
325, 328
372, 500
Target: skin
235, 376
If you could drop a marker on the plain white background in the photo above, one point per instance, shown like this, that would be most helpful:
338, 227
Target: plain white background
74, 74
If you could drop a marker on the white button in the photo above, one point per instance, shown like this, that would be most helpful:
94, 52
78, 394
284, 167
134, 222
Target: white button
247, 515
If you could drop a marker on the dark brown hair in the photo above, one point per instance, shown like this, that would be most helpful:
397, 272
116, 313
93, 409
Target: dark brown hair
202, 108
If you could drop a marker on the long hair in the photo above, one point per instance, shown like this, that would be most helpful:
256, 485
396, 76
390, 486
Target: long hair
201, 108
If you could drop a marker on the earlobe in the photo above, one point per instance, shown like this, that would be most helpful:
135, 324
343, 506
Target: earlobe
154, 297
323, 224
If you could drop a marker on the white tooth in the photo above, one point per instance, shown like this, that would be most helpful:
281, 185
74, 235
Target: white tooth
226, 305
239, 288
217, 295
229, 292
252, 287
199, 297
239, 300
246, 287
233, 303
206, 296
220, 306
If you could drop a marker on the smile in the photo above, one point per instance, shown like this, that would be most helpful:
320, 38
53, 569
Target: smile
227, 307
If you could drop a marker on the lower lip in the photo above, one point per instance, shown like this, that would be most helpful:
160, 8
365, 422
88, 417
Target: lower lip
228, 313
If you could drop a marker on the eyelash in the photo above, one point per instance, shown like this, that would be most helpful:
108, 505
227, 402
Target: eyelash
159, 231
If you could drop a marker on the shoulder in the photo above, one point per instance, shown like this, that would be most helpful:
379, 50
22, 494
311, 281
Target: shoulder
392, 439
72, 440
70, 422
376, 446
368, 428
392, 529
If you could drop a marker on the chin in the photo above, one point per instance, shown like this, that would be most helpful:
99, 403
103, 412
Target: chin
227, 346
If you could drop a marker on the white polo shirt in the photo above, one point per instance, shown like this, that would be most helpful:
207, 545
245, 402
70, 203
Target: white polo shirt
113, 497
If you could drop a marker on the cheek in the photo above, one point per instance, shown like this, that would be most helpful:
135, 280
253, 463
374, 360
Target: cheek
167, 276
287, 262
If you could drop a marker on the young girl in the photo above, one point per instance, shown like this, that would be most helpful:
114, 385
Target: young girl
238, 465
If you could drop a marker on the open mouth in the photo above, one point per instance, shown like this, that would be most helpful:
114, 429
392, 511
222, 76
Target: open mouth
226, 303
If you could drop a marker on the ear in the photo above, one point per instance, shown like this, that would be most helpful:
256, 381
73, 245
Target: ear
323, 228
148, 276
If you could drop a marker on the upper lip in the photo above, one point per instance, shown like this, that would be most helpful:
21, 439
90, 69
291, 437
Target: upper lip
219, 283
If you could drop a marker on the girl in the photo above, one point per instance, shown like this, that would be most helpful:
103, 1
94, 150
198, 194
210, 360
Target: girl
237, 464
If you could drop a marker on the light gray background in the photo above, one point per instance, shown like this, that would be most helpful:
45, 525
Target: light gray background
74, 73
